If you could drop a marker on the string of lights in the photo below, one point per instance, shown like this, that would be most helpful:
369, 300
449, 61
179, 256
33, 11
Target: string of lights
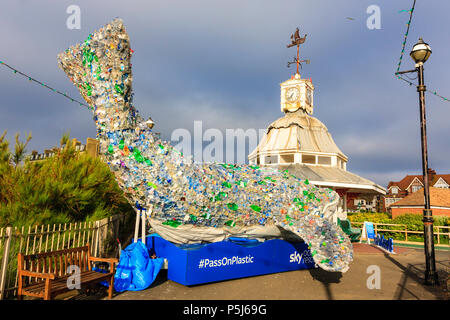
411, 12
44, 85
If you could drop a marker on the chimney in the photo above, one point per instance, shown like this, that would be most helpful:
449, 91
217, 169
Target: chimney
431, 174
92, 147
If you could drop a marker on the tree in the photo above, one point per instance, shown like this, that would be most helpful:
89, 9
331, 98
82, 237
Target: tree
20, 150
68, 187
4, 152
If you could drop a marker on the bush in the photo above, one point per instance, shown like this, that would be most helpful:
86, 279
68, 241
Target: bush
372, 217
413, 222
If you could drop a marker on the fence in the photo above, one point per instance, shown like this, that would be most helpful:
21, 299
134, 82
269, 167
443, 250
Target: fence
45, 238
441, 233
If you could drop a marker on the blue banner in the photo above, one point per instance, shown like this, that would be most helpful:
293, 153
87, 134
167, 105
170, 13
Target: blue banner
369, 230
196, 264
387, 244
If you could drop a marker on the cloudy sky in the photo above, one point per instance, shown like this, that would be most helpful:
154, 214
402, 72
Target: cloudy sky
221, 62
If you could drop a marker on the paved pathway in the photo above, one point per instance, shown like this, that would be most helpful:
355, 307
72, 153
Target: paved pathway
401, 278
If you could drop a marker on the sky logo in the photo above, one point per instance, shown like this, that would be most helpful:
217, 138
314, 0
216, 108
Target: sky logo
295, 257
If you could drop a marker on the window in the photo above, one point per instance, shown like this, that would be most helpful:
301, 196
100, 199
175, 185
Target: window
416, 188
287, 158
324, 160
271, 159
306, 158
389, 201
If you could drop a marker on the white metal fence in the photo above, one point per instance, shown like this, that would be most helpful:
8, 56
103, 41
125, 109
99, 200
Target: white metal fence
45, 238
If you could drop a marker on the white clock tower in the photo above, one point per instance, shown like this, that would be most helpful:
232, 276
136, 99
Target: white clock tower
297, 93
301, 144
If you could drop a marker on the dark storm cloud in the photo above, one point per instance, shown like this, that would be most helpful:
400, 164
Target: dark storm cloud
222, 62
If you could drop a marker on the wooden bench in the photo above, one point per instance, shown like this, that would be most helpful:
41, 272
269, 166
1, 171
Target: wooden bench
46, 274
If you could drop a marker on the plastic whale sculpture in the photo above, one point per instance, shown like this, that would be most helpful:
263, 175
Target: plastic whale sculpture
192, 202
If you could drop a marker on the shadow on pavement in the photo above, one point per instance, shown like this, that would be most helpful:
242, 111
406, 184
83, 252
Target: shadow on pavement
99, 292
160, 279
326, 277
415, 274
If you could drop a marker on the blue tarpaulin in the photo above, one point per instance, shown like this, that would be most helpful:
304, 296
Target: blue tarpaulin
136, 270
103, 283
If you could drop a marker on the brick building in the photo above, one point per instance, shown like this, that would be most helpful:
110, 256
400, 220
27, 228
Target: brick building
414, 203
398, 190
91, 148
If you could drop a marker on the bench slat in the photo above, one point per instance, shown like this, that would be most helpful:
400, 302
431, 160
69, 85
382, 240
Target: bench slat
60, 285
60, 265
65, 263
44, 265
52, 253
77, 261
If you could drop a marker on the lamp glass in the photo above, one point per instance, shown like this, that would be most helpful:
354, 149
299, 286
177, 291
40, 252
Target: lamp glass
420, 52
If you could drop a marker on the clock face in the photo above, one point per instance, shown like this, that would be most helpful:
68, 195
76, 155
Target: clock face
292, 94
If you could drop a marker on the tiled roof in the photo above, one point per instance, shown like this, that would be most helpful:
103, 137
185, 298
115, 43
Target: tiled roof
445, 177
406, 181
438, 198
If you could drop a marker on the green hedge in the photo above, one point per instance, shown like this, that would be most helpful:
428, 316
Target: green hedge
413, 222
372, 217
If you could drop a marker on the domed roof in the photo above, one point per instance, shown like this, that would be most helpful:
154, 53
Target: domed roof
299, 118
297, 131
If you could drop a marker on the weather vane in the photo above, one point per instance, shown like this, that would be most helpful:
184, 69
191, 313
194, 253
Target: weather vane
297, 41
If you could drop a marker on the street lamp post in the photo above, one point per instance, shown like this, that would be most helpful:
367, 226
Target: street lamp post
420, 53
